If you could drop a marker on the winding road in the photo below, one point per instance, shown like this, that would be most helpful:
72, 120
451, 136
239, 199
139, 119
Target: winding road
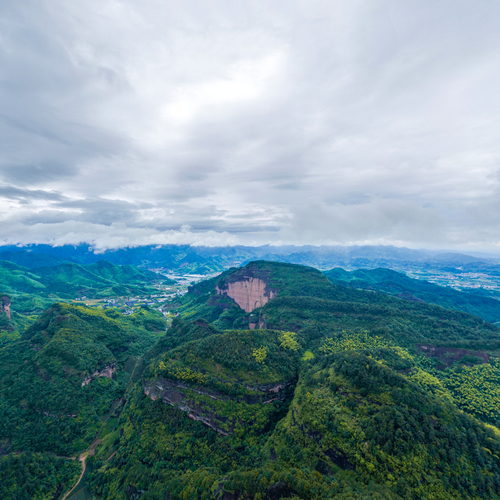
83, 460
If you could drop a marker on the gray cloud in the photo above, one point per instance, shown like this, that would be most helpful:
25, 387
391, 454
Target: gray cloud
16, 193
274, 122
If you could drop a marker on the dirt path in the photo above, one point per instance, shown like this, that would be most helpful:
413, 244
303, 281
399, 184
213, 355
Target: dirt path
83, 460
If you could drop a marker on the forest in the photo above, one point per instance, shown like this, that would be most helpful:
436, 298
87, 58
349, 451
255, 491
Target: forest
326, 391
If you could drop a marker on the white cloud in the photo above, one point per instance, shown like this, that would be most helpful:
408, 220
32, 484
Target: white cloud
303, 122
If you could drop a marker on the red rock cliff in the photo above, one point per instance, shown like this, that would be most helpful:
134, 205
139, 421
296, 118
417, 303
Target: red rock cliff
249, 294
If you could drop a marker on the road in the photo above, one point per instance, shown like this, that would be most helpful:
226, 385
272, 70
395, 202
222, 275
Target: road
83, 461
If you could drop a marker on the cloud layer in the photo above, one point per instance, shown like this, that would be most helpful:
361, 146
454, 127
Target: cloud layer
220, 122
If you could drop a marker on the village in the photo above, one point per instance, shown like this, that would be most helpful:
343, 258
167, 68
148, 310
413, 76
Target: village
161, 301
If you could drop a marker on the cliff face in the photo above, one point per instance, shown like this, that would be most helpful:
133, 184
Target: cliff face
249, 293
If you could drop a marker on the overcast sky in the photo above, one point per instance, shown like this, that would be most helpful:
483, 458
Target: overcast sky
127, 122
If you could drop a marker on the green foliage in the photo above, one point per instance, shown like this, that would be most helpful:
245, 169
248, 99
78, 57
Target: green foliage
180, 373
44, 405
476, 389
308, 356
334, 399
260, 354
30, 476
288, 340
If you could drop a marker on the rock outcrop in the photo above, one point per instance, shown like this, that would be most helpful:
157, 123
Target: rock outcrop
249, 293
5, 306
187, 399
107, 372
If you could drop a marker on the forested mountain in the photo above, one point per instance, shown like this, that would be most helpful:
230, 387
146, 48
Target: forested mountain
30, 291
272, 382
68, 279
60, 384
400, 285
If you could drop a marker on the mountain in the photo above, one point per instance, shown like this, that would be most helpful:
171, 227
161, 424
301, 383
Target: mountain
272, 382
15, 278
60, 383
400, 285
303, 299
331, 397
30, 291
99, 279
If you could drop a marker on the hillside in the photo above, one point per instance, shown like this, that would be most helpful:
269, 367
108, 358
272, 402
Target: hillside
272, 382
253, 414
400, 285
68, 279
100, 279
62, 381
33, 290
329, 395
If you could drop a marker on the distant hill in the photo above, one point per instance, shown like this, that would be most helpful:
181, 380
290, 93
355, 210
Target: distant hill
33, 290
400, 285
68, 279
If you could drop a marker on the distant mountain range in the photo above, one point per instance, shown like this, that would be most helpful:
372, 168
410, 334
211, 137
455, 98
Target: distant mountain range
209, 259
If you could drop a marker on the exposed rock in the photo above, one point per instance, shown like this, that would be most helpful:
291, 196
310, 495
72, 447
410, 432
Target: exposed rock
106, 372
249, 293
448, 355
179, 395
5, 306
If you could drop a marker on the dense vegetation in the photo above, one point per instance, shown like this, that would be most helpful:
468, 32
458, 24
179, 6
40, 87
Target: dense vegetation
34, 290
63, 380
394, 283
335, 393
358, 410
69, 280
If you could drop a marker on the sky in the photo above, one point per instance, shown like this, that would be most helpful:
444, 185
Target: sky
250, 122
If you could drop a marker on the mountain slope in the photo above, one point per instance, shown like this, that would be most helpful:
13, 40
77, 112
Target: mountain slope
400, 285
246, 414
60, 383
67, 279
334, 399
272, 383
100, 279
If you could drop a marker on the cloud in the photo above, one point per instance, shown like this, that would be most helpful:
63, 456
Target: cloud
284, 122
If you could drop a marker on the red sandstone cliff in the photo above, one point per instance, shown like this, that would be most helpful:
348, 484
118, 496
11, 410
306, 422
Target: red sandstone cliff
249, 293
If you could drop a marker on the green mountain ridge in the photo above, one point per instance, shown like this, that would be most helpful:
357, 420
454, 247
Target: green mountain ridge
398, 284
33, 290
100, 279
